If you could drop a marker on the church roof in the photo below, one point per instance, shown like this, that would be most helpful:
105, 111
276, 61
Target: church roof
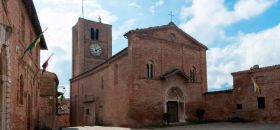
173, 72
171, 24
31, 11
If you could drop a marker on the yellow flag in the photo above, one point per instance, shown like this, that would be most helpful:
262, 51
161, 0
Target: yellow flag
257, 88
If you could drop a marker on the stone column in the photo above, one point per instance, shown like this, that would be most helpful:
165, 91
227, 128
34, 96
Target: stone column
6, 88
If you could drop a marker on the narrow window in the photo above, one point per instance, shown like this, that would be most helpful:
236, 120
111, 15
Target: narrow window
150, 70
116, 69
92, 35
97, 34
192, 74
261, 102
102, 83
239, 106
21, 89
87, 111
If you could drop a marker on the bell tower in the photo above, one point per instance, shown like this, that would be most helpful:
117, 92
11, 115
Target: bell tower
91, 45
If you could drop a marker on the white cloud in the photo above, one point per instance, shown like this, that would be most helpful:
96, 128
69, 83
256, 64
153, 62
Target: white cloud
157, 4
122, 29
135, 5
249, 49
207, 23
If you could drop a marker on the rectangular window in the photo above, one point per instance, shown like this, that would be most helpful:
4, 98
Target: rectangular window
97, 34
92, 35
87, 111
239, 106
102, 83
150, 71
261, 102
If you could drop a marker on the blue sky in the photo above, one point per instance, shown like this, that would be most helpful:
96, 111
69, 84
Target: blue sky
239, 33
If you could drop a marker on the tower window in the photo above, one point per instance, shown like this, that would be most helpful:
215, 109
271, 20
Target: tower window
261, 102
150, 70
92, 35
97, 34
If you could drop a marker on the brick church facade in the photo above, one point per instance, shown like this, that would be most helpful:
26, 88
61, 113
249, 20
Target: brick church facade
163, 69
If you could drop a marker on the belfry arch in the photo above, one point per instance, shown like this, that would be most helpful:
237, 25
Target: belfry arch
175, 104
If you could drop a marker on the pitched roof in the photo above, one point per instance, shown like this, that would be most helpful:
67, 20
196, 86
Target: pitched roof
31, 11
171, 24
173, 72
257, 69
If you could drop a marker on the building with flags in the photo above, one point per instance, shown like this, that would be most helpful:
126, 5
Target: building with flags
254, 97
20, 32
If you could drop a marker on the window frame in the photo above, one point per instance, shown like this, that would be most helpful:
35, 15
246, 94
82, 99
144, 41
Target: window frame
261, 102
150, 70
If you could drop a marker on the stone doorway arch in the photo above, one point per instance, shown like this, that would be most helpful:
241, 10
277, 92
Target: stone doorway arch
175, 104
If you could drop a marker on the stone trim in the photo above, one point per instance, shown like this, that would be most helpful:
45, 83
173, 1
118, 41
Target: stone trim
6, 78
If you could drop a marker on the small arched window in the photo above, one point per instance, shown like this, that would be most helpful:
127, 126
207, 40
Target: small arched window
21, 89
150, 70
193, 74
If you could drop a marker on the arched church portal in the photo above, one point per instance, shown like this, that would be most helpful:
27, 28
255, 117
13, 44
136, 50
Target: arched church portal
175, 104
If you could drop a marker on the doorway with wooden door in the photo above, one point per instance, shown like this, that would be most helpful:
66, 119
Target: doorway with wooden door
175, 104
172, 109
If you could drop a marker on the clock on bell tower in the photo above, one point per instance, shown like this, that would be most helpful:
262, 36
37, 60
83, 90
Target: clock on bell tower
92, 45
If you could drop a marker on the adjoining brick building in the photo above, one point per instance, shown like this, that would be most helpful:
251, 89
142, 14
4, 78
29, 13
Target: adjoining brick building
163, 69
243, 101
19, 78
48, 101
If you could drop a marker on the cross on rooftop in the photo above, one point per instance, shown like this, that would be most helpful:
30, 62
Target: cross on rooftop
171, 16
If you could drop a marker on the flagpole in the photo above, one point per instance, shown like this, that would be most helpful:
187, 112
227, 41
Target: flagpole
83, 8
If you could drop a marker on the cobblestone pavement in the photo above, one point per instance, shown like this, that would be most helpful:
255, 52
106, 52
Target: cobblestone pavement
210, 126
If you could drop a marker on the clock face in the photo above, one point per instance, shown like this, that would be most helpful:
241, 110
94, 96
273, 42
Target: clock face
95, 49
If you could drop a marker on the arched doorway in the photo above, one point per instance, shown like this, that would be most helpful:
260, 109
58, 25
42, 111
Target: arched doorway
175, 104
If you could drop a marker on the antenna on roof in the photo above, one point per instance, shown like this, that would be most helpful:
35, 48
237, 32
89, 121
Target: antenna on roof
83, 9
99, 19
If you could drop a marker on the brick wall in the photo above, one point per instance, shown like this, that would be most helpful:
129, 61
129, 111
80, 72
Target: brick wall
48, 100
20, 116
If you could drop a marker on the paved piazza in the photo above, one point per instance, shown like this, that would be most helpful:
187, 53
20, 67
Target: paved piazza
210, 126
